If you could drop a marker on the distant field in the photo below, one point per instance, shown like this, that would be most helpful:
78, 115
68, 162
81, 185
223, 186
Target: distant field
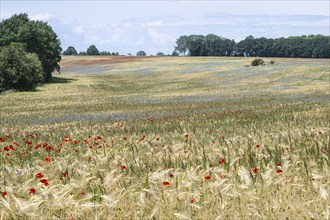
169, 138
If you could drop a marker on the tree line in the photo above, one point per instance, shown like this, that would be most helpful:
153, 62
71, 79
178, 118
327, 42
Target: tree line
305, 46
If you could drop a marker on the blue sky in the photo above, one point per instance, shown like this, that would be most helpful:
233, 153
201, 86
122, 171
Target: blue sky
153, 26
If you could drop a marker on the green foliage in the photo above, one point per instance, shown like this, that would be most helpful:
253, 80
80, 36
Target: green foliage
92, 50
38, 37
19, 70
257, 62
70, 51
141, 53
272, 62
311, 46
160, 54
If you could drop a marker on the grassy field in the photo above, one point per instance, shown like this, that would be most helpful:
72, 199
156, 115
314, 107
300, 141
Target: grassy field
169, 138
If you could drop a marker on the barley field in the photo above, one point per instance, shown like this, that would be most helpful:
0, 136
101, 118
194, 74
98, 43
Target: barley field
169, 138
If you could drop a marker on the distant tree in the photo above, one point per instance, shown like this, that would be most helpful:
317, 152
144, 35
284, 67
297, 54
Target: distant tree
175, 53
141, 53
38, 37
160, 54
70, 51
82, 53
92, 50
182, 44
19, 70
105, 53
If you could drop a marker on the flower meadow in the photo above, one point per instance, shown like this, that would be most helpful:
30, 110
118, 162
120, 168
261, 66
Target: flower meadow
219, 141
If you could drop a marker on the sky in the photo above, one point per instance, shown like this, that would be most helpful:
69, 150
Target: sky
153, 26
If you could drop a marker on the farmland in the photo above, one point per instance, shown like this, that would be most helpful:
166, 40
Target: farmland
169, 138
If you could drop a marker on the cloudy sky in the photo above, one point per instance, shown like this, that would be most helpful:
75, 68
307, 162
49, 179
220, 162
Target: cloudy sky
153, 26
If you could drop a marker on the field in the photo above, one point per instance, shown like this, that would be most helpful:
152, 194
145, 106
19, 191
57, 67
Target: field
169, 138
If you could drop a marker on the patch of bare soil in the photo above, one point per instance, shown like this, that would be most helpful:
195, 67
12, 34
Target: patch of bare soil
88, 61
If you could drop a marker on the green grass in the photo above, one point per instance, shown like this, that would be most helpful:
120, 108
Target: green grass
124, 131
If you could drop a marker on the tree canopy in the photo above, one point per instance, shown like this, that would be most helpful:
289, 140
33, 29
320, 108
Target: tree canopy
19, 70
141, 53
37, 36
70, 51
310, 46
92, 50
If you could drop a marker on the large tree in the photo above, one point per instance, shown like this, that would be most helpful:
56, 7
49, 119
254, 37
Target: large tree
37, 36
70, 51
141, 53
92, 50
19, 70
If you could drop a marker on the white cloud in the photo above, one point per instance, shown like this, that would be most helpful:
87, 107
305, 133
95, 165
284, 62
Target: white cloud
42, 17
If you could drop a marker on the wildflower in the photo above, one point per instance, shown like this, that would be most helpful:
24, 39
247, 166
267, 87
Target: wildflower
82, 193
32, 191
221, 161
278, 164
47, 159
257, 146
222, 137
186, 135
75, 142
192, 200
207, 177
221, 176
312, 179
123, 167
6, 149
89, 158
4, 194
166, 183
171, 175
44, 181
255, 170
64, 174
39, 175
211, 165
279, 171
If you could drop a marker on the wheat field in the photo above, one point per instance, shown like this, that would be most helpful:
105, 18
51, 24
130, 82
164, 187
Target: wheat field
169, 138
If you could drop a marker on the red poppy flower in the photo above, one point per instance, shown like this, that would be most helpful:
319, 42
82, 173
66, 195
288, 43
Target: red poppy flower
166, 183
123, 167
186, 135
211, 165
47, 159
222, 137
32, 191
64, 174
6, 149
4, 194
75, 142
278, 164
82, 193
221, 161
39, 175
255, 170
171, 175
257, 146
157, 139
221, 176
44, 181
207, 177
192, 200
279, 171
312, 179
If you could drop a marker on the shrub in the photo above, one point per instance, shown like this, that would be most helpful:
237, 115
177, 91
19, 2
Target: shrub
19, 70
272, 62
257, 62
